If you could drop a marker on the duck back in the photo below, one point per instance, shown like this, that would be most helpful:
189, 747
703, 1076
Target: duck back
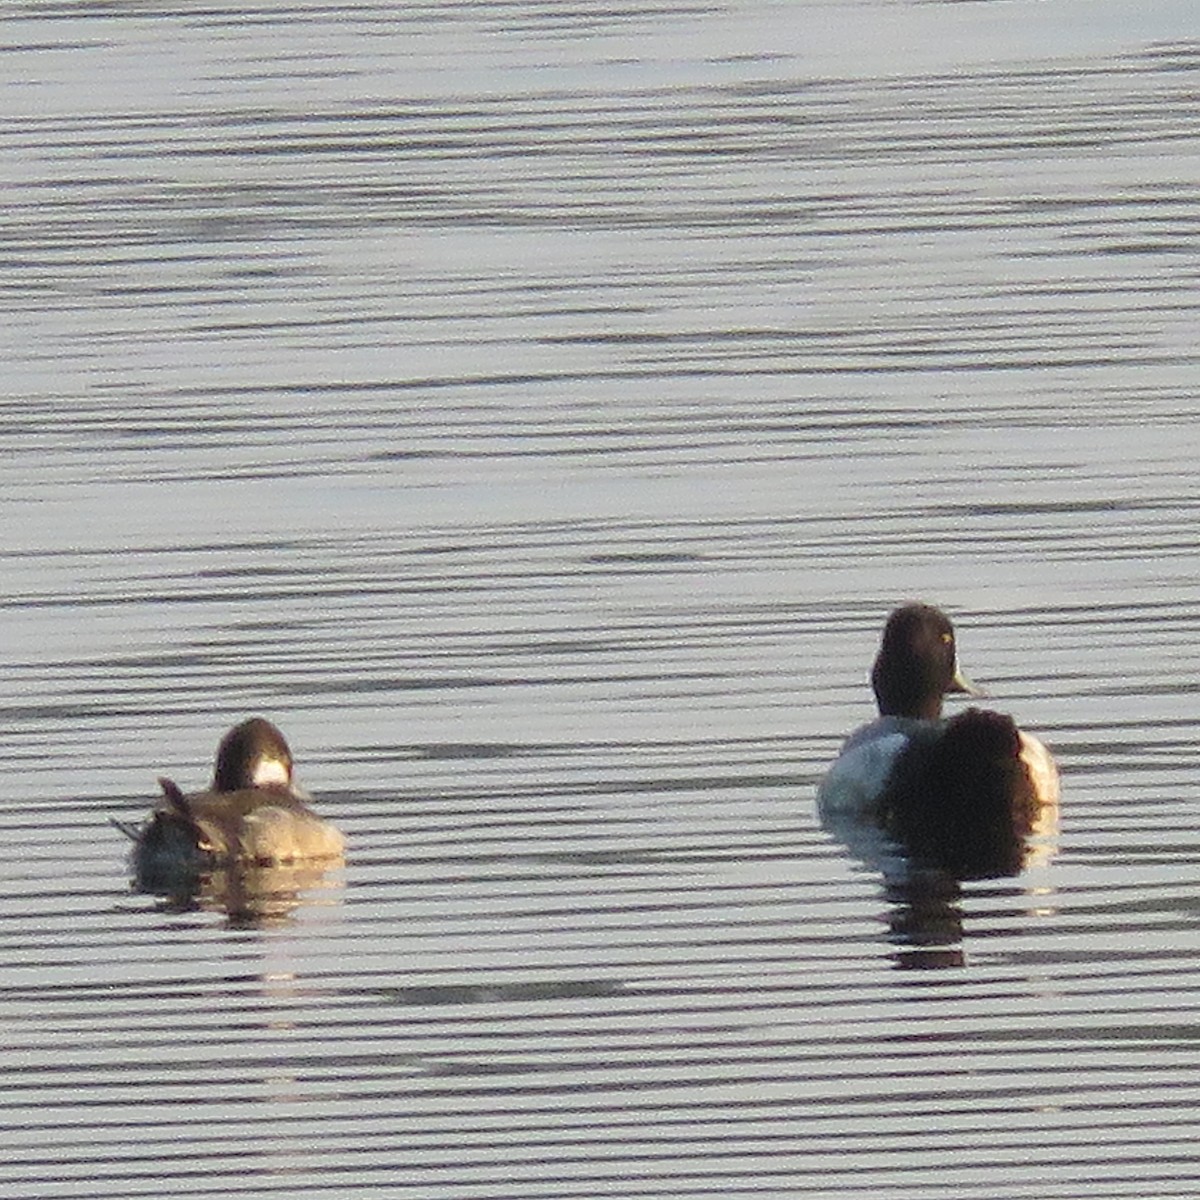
963, 797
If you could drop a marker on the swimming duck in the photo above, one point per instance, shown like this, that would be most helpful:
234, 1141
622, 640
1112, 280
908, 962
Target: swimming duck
963, 792
253, 814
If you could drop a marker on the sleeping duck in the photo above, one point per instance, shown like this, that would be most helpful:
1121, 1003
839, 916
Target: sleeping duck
962, 793
253, 814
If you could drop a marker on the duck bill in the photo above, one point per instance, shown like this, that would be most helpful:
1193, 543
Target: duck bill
960, 685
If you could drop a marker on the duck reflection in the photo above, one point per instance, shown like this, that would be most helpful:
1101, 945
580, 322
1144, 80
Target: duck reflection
251, 896
924, 867
925, 921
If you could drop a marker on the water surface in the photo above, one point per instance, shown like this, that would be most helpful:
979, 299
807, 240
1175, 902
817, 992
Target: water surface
536, 409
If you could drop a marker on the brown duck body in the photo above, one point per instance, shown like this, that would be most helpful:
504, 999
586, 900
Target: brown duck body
260, 825
254, 814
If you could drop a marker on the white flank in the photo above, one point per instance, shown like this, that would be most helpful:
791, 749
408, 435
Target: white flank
1043, 773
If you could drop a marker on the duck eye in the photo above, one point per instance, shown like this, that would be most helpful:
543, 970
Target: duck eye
947, 638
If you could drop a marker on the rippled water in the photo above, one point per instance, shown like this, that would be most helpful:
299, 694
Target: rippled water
536, 409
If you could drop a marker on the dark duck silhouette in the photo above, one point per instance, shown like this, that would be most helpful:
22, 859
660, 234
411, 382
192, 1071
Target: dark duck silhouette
964, 794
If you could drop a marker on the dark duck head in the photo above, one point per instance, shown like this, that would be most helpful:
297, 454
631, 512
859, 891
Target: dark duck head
253, 754
917, 664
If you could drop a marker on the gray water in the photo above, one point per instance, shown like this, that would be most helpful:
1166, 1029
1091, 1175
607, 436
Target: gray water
535, 408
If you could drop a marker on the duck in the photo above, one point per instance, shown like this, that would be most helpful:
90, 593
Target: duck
253, 814
965, 793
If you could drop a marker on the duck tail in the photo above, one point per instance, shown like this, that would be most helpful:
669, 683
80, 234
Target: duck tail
174, 835
136, 832
175, 797
130, 829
